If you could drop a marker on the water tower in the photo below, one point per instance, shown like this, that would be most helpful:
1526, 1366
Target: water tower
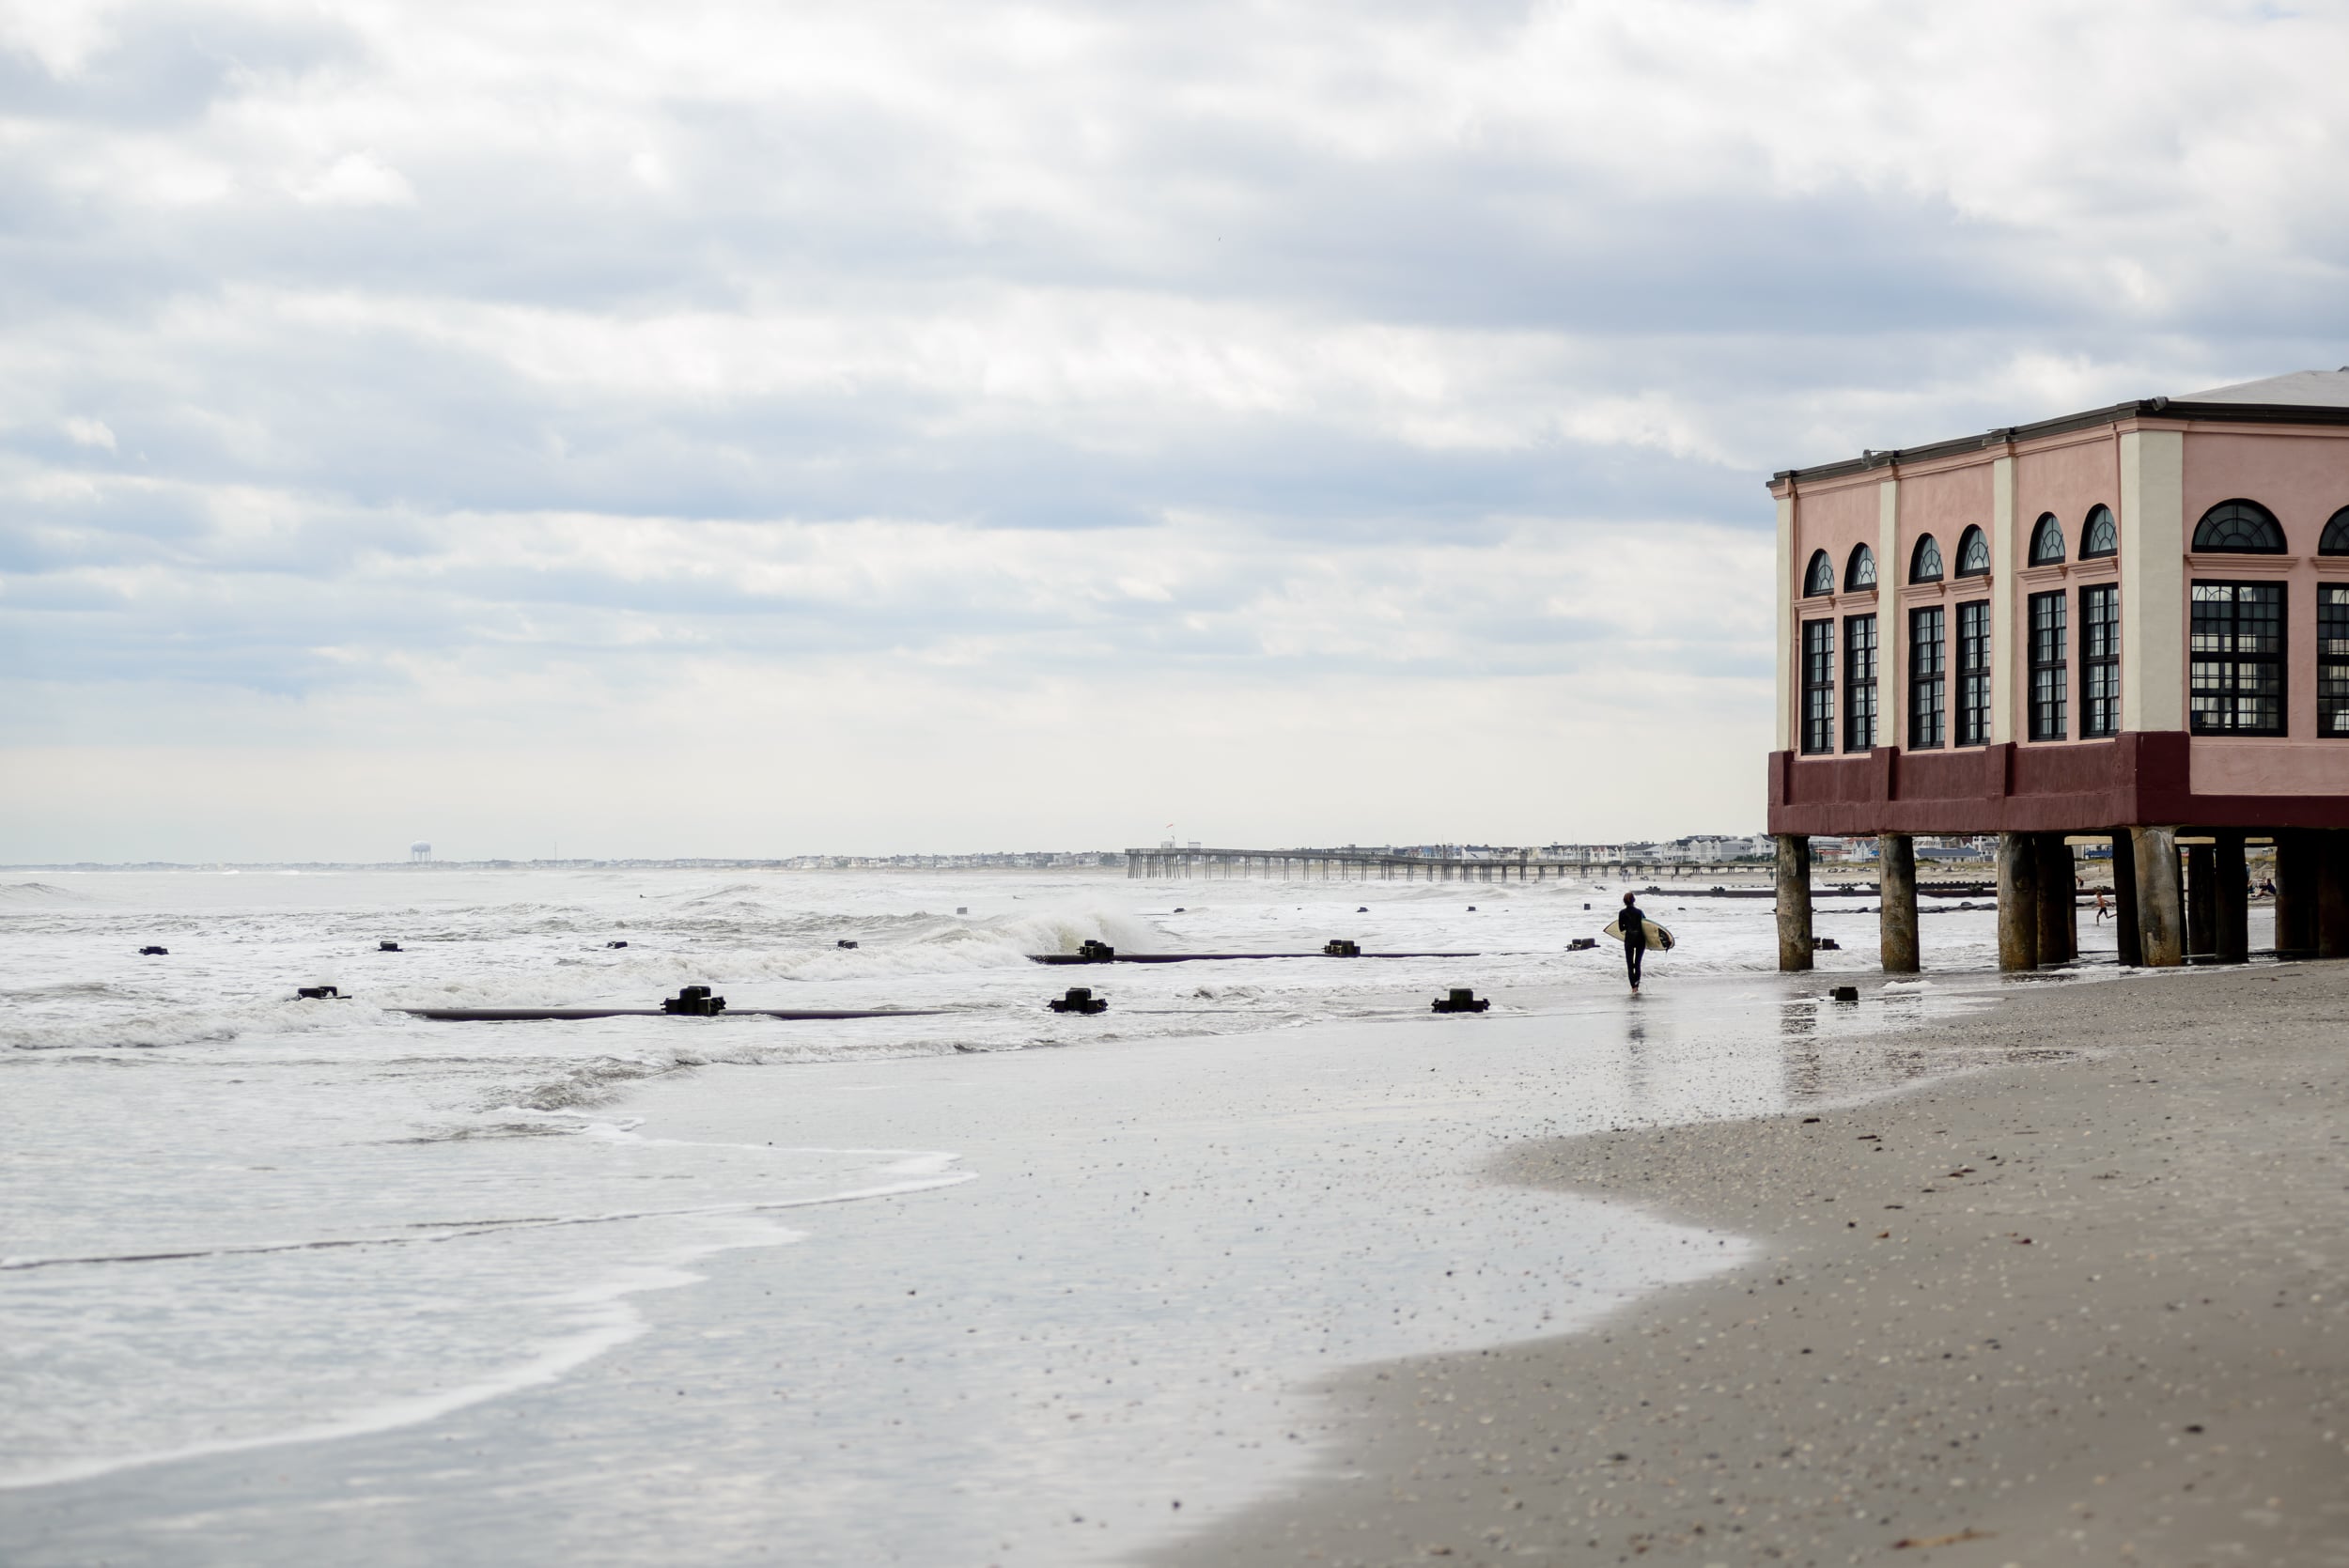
419, 851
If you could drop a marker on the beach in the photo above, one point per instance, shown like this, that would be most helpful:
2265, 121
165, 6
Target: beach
288, 1282
2086, 1306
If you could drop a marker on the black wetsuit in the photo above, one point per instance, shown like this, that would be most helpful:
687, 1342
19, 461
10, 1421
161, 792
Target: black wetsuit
1634, 940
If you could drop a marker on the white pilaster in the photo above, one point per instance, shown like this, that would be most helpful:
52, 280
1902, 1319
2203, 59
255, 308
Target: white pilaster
2007, 663
1788, 674
2152, 580
1891, 637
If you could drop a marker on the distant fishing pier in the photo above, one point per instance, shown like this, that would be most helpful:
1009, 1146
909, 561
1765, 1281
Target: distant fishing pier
1387, 866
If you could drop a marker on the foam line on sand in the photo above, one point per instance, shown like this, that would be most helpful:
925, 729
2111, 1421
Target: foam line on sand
2089, 1306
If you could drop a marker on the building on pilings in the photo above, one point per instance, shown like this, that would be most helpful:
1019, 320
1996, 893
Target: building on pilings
2131, 624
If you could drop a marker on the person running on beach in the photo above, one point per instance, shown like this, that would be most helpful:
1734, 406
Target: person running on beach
1634, 927
2102, 909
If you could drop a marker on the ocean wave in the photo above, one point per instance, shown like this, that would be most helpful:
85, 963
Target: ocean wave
41, 893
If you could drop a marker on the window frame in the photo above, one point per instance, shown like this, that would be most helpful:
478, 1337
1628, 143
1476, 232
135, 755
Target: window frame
2332, 670
1818, 687
2047, 541
2235, 660
2089, 551
1917, 559
1860, 683
1970, 721
2334, 541
2100, 660
1928, 678
2048, 618
2259, 516
1859, 569
1819, 576
1973, 533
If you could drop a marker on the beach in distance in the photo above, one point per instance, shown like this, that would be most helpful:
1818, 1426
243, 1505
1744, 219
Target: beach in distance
1265, 1264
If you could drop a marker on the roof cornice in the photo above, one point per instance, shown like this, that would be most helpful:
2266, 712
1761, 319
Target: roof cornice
2142, 408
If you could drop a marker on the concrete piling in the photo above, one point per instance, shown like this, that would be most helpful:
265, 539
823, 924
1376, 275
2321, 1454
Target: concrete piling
1793, 902
2018, 901
1896, 862
2160, 899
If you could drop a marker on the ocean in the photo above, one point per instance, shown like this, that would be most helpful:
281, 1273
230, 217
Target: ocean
288, 1280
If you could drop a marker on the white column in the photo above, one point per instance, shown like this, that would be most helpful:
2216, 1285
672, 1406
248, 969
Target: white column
1891, 636
1788, 672
2152, 580
2007, 663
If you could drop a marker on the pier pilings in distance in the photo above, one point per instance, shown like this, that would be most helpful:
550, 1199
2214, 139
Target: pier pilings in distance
1384, 866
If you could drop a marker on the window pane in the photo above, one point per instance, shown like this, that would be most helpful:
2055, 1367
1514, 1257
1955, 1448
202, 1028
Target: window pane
1860, 683
1973, 668
2236, 672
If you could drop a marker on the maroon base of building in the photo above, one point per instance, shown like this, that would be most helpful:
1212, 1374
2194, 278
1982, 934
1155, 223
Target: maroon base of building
2136, 779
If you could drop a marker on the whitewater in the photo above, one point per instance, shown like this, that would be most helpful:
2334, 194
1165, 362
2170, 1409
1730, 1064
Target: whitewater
283, 1278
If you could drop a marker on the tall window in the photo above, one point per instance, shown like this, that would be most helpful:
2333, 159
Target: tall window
1859, 682
1973, 553
2047, 541
2099, 536
2236, 659
2100, 660
1974, 674
1818, 686
1928, 680
2332, 660
2050, 677
1924, 561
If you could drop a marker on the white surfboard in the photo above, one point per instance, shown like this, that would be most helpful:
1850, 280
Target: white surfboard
1656, 935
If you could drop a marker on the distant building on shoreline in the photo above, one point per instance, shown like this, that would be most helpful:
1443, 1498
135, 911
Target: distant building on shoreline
2129, 625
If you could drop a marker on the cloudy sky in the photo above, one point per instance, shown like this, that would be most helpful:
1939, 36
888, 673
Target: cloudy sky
707, 429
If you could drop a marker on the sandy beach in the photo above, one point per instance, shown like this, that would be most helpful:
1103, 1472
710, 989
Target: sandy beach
2085, 1308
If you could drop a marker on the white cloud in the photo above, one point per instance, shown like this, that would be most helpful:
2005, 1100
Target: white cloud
1116, 394
355, 179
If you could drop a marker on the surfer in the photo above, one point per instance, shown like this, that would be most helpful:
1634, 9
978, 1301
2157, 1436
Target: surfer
1634, 927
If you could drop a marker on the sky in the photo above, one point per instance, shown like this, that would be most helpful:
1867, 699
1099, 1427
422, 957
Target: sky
876, 428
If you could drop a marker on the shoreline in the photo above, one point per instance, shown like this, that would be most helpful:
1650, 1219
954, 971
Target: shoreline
2084, 1308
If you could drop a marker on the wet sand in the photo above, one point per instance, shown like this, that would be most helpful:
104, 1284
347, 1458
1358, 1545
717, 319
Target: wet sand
2089, 1308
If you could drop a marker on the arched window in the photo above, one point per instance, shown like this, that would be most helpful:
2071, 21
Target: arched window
2047, 541
1924, 561
2334, 539
1973, 553
1861, 571
1820, 576
2099, 536
2239, 528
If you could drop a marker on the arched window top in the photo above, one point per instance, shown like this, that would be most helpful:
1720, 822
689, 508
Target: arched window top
2047, 541
1973, 553
1924, 561
1820, 576
1861, 572
2334, 539
2239, 528
2099, 536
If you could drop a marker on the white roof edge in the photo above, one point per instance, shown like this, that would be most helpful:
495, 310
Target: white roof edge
2324, 389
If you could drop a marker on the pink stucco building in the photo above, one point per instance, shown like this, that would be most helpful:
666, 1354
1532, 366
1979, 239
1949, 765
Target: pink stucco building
2132, 621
